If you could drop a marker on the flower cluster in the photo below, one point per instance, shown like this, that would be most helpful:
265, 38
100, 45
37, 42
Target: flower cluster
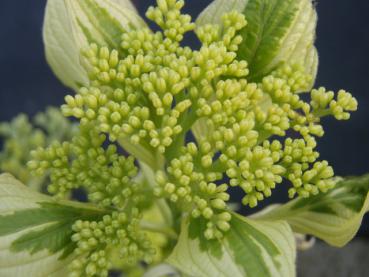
22, 135
95, 240
111, 182
84, 162
148, 95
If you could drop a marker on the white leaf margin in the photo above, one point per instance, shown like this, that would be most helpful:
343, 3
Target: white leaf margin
298, 44
60, 49
16, 196
336, 230
63, 39
192, 261
213, 12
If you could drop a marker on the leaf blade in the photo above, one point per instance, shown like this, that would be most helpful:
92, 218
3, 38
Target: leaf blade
60, 50
278, 31
334, 217
69, 26
246, 250
35, 237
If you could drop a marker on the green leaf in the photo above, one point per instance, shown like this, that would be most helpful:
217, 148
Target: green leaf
102, 21
125, 4
35, 230
62, 54
278, 31
72, 25
250, 248
334, 217
55, 237
213, 13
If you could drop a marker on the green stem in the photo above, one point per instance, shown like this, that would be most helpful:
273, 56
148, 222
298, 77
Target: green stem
149, 174
322, 112
165, 211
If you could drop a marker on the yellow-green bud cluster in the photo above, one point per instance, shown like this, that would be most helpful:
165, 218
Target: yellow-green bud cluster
323, 103
22, 135
232, 22
109, 179
257, 172
143, 42
299, 113
95, 240
297, 158
295, 76
151, 92
145, 91
168, 16
190, 184
140, 105
19, 139
84, 162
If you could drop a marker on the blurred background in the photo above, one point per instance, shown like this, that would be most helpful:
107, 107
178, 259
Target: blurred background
28, 85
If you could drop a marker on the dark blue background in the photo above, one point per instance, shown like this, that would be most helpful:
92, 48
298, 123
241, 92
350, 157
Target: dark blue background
27, 84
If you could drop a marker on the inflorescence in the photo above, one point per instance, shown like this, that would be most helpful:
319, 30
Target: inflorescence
149, 94
22, 135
